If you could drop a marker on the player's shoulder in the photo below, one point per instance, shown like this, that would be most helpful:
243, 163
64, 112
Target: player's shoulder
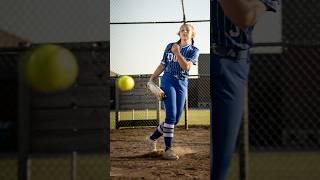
168, 47
272, 5
194, 48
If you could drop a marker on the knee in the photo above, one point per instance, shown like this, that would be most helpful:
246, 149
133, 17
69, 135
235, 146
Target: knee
170, 119
178, 116
177, 120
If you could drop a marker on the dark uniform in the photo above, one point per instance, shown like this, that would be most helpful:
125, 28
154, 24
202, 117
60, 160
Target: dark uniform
229, 69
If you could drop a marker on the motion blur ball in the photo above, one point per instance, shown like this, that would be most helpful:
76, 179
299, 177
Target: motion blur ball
51, 68
125, 83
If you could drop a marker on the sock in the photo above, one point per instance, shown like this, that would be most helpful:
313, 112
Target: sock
157, 133
167, 142
168, 130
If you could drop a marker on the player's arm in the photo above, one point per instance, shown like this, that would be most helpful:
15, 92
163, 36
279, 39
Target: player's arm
184, 64
243, 13
157, 72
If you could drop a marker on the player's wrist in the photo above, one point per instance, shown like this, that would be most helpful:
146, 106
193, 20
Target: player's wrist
177, 53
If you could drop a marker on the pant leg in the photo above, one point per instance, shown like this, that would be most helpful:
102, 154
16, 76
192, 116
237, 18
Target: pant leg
168, 86
228, 82
170, 101
181, 90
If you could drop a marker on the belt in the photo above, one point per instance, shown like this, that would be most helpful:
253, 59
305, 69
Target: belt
229, 52
179, 77
168, 74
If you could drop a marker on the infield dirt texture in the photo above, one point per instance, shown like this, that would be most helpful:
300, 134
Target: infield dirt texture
130, 158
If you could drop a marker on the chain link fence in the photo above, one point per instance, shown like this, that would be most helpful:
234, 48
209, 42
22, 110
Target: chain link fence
283, 101
52, 134
284, 114
56, 122
54, 21
136, 104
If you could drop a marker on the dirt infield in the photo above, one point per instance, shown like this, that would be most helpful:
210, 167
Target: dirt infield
130, 159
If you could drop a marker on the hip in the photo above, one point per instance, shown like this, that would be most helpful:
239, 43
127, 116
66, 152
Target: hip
231, 53
169, 79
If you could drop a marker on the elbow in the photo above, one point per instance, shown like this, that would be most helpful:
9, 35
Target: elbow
245, 20
186, 67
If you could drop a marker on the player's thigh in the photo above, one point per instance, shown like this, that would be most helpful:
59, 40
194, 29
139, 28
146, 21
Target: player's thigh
170, 100
233, 74
181, 95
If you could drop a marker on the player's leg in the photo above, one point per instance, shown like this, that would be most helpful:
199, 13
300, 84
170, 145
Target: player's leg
171, 113
228, 81
181, 90
170, 110
151, 140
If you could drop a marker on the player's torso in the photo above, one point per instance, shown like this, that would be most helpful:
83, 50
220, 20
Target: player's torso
225, 33
172, 64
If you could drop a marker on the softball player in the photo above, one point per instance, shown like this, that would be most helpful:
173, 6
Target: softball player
232, 23
177, 60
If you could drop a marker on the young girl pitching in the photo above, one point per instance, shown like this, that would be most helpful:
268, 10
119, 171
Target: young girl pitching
177, 60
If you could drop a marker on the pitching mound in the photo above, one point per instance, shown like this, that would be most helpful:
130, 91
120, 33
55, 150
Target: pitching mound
131, 160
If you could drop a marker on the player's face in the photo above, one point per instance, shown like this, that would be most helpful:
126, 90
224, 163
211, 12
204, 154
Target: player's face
186, 32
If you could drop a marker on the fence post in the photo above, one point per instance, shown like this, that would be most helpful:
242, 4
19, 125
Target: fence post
23, 122
74, 166
117, 114
159, 105
244, 141
186, 110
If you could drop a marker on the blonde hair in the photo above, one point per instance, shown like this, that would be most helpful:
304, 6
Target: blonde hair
189, 25
193, 32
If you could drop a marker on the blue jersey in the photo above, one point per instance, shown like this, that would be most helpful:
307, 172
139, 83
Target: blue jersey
170, 62
225, 33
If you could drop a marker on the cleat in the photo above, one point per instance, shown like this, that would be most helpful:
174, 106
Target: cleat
170, 155
151, 144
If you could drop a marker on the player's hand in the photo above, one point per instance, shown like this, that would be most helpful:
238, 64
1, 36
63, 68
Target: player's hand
156, 90
175, 48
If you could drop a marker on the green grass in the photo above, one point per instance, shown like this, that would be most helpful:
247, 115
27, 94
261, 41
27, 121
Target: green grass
58, 167
195, 116
263, 166
280, 166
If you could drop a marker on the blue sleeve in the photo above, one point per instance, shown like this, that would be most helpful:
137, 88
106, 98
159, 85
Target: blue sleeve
194, 56
272, 5
164, 58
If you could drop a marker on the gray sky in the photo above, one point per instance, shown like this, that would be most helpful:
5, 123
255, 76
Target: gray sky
138, 48
135, 49
56, 20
